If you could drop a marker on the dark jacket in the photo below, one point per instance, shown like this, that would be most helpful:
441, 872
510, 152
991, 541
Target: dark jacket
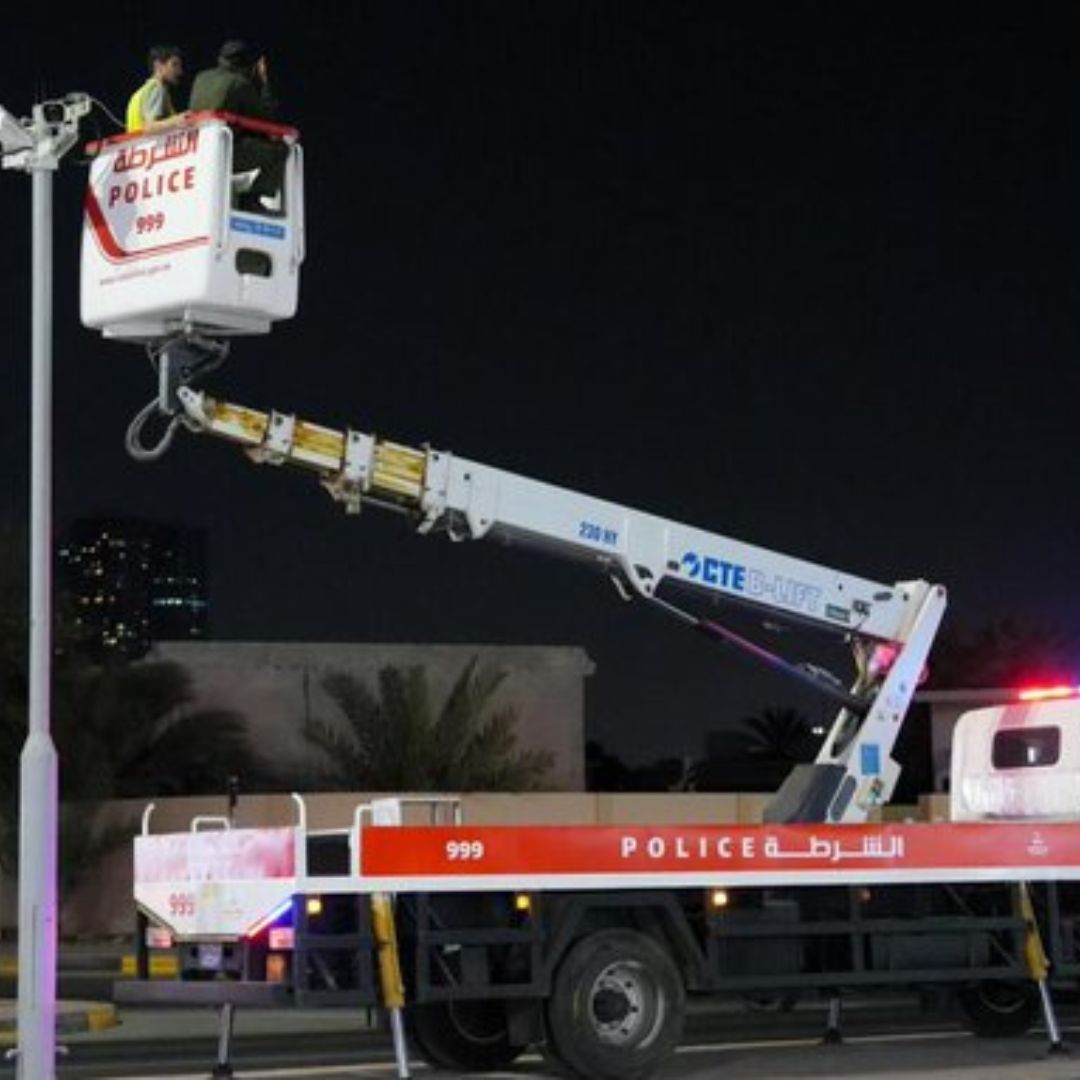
229, 89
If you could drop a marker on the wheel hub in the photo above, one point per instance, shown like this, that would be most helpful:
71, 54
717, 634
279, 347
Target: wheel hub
622, 1003
610, 1006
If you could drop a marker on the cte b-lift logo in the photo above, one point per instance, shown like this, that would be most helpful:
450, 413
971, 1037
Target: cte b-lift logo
769, 588
713, 571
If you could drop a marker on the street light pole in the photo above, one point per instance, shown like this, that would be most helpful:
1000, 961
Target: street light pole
36, 147
38, 795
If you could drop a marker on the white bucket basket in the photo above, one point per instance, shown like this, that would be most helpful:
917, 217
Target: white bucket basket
165, 248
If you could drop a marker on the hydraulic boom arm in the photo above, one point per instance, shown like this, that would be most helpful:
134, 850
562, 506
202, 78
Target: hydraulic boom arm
891, 626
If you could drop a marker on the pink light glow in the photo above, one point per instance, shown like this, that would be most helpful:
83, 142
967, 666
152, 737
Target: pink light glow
1044, 693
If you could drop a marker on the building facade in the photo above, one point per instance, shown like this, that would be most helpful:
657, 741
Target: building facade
276, 687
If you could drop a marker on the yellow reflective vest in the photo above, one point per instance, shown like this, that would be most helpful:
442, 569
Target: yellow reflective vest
150, 102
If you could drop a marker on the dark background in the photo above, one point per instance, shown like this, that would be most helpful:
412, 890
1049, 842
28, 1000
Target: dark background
802, 274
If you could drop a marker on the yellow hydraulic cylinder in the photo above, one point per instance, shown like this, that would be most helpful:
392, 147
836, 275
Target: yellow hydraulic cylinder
235, 422
1038, 964
397, 472
385, 932
390, 980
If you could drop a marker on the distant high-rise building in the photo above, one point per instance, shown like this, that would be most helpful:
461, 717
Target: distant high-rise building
130, 582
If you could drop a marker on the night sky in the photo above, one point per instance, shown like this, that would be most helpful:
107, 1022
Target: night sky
801, 274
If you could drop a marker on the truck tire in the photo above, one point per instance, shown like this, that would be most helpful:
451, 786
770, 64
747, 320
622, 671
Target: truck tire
616, 1008
470, 1036
1000, 1009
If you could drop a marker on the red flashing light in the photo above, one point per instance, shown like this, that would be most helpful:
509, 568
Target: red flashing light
1046, 693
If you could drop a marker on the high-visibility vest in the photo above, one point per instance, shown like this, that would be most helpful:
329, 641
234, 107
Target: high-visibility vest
135, 105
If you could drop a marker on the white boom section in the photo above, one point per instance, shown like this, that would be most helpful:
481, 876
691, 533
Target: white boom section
468, 500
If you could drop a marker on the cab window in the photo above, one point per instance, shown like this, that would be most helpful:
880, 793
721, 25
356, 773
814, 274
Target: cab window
1025, 748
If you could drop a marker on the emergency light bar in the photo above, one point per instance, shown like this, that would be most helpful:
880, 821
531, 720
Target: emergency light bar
1047, 693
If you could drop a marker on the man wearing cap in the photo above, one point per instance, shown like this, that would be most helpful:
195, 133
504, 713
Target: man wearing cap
239, 84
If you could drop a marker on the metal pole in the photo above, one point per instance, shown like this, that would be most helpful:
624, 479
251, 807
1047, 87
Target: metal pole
833, 1034
38, 792
223, 1066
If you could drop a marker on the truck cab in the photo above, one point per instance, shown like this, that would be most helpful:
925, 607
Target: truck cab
1019, 761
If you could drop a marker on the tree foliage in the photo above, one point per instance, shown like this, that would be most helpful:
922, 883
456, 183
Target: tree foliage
778, 733
120, 730
395, 738
1003, 653
133, 730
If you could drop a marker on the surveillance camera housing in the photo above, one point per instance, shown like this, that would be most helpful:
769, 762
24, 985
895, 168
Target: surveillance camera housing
77, 105
13, 136
63, 112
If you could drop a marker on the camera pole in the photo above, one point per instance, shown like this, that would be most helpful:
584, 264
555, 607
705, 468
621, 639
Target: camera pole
52, 131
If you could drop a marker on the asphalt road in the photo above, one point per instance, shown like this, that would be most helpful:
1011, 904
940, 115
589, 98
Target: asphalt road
884, 1040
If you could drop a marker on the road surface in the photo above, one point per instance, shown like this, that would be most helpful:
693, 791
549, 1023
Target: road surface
886, 1040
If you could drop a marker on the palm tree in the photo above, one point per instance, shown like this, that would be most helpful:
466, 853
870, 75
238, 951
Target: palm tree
120, 731
778, 734
131, 730
395, 739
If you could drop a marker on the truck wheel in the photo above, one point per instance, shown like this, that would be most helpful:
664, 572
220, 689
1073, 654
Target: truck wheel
998, 1009
616, 1007
471, 1036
